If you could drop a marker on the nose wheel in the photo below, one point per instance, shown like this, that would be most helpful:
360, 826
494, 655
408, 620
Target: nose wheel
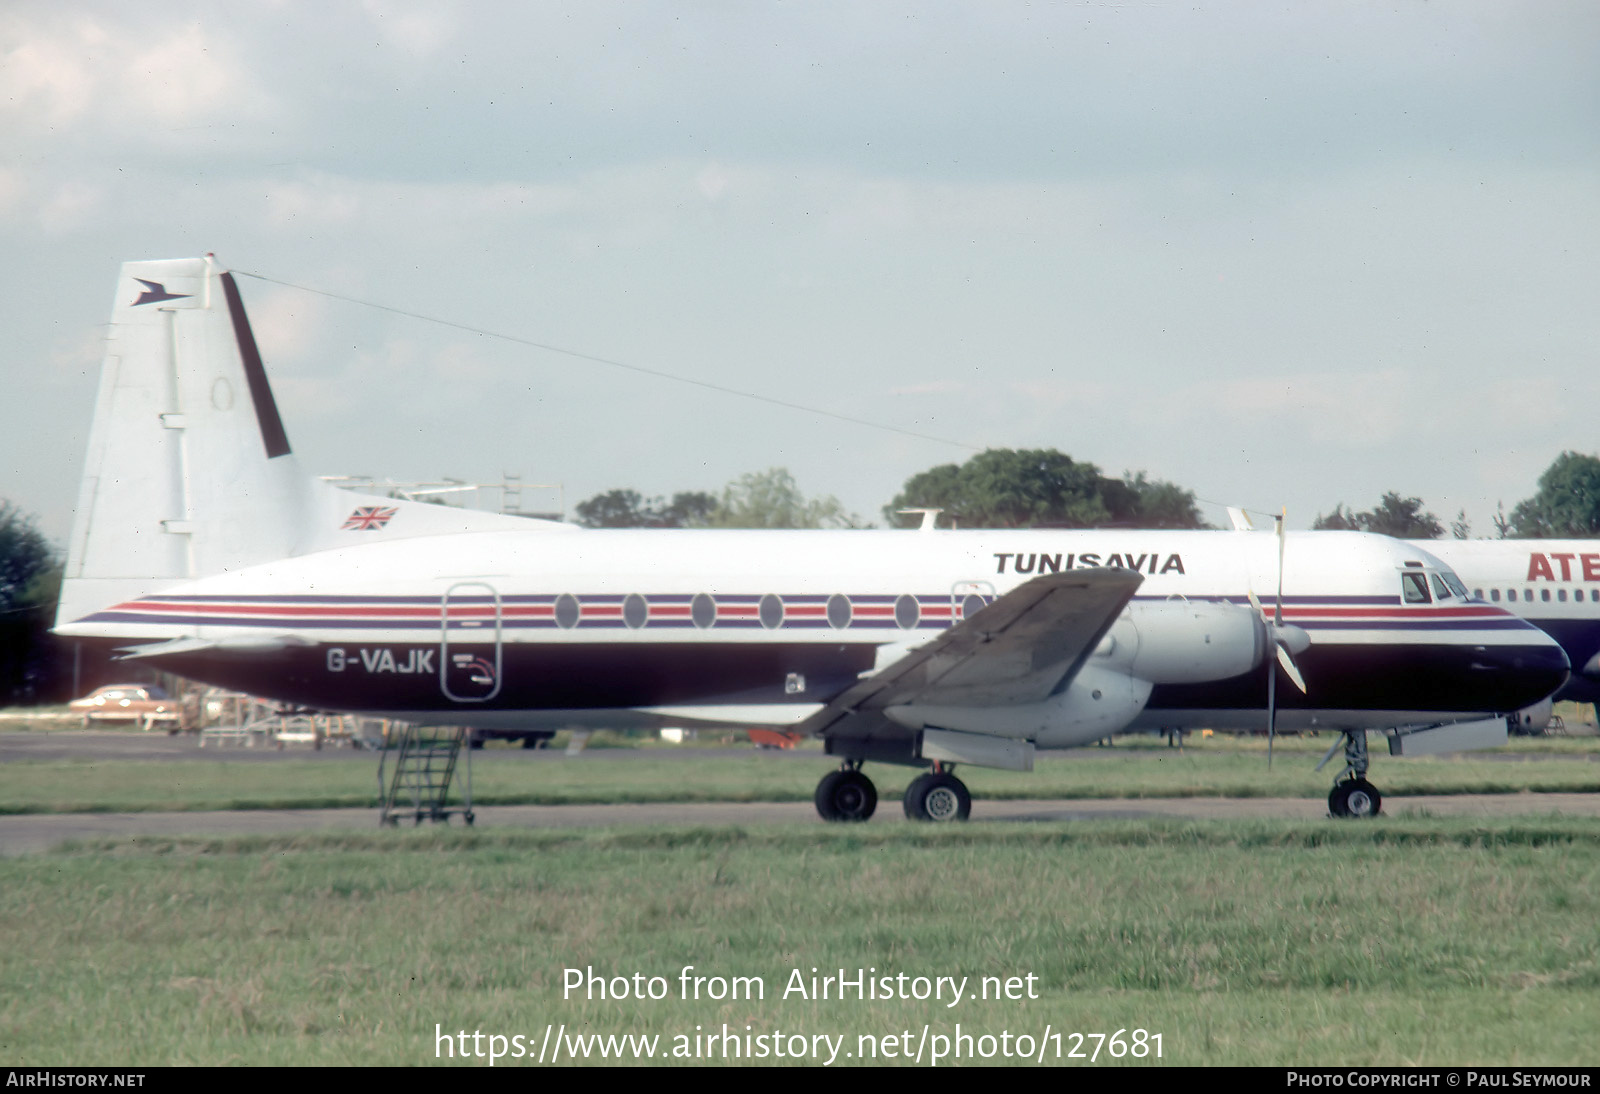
1353, 795
1355, 798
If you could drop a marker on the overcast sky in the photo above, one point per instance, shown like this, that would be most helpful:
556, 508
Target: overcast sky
1283, 254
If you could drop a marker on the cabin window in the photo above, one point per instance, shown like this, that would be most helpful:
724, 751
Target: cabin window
1527, 595
566, 611
839, 611
1494, 595
1561, 595
907, 611
703, 610
771, 611
1414, 589
635, 611
972, 605
1544, 594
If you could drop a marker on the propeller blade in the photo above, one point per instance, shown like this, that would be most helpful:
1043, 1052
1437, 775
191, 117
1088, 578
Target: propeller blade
1283, 655
1277, 611
1272, 711
1289, 668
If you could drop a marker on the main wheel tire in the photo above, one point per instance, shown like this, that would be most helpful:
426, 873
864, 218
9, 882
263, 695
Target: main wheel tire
913, 798
941, 798
846, 796
1357, 798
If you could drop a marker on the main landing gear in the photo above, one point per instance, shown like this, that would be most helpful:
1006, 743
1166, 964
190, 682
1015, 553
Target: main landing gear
935, 796
1352, 794
846, 794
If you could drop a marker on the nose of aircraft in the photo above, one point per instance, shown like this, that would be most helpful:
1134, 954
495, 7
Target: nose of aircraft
1519, 675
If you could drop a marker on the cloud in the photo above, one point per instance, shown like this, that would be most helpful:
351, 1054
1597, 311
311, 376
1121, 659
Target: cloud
322, 199
70, 206
13, 190
1346, 409
421, 29
121, 81
931, 387
290, 325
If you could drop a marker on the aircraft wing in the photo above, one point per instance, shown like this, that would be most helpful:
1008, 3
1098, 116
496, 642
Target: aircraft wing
1020, 649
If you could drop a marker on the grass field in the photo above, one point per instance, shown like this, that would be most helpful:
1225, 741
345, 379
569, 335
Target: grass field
1404, 941
1219, 767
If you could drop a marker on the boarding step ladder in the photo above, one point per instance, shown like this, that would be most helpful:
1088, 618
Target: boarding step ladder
424, 766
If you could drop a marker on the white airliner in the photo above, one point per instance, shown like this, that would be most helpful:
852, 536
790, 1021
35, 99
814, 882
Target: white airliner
1552, 583
199, 544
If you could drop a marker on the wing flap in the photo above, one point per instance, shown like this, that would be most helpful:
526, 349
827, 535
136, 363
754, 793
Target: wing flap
1020, 649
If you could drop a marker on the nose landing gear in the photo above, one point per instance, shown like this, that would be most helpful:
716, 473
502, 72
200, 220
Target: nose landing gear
1352, 794
1355, 798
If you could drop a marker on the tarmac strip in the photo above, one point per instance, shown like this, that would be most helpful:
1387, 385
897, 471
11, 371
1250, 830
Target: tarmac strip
32, 833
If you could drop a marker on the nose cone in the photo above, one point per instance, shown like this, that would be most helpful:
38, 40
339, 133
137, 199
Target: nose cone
1519, 675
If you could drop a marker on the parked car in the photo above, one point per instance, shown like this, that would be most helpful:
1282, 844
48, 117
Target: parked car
144, 704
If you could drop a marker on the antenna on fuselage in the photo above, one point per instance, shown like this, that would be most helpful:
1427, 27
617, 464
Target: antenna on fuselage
929, 517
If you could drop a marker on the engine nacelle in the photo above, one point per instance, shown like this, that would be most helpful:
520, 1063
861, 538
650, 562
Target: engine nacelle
1099, 701
1171, 642
1184, 642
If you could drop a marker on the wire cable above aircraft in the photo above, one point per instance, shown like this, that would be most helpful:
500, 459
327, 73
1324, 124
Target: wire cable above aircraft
613, 363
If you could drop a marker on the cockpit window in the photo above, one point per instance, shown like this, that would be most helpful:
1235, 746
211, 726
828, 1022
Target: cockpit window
1414, 588
1457, 586
1441, 591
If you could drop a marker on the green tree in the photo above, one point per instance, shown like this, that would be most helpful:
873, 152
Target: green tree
1567, 505
30, 582
1157, 504
1402, 518
613, 509
630, 509
689, 509
1010, 488
1340, 520
1502, 524
771, 499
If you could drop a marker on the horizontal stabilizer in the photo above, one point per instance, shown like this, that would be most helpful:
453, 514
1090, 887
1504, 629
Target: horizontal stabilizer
265, 643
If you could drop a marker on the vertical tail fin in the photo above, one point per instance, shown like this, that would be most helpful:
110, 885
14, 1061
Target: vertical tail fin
189, 471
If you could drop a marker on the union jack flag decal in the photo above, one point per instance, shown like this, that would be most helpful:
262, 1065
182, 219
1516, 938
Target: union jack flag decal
369, 518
